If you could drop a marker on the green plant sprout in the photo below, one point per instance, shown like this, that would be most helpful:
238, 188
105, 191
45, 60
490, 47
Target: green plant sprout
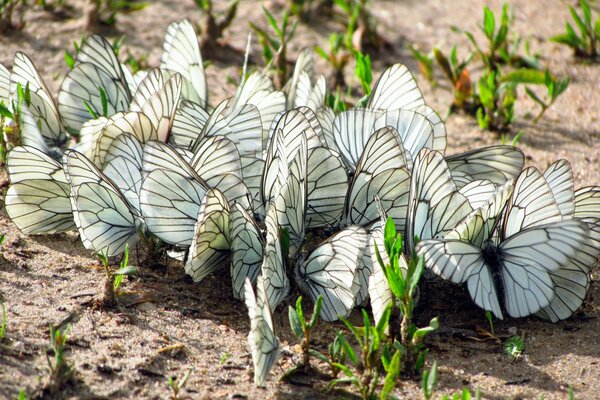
104, 12
336, 354
514, 347
60, 370
302, 328
224, 357
457, 73
426, 63
584, 44
337, 57
177, 386
403, 282
365, 373
22, 395
364, 74
12, 15
10, 118
214, 26
360, 31
4, 321
115, 278
429, 380
274, 48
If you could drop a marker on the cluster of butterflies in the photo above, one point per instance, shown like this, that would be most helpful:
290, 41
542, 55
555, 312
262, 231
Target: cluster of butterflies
284, 192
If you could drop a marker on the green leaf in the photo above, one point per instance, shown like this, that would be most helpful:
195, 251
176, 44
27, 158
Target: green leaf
578, 21
128, 270
300, 311
525, 75
535, 97
322, 53
4, 318
69, 60
443, 62
295, 323
416, 276
393, 371
5, 112
319, 355
432, 378
272, 22
389, 235
316, 312
384, 319
587, 14
103, 101
489, 23
348, 350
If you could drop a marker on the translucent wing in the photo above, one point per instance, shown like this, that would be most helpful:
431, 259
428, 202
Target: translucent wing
170, 203
273, 271
380, 173
39, 206
416, 132
559, 176
181, 54
87, 85
326, 189
304, 65
330, 269
28, 163
264, 345
98, 51
461, 262
41, 106
351, 131
395, 89
532, 203
4, 84
478, 192
105, 218
497, 164
432, 185
529, 256
246, 250
217, 162
587, 204
246, 129
188, 122
209, 250
134, 123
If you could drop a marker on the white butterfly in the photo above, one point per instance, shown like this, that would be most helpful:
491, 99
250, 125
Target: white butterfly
516, 266
106, 220
210, 246
329, 271
181, 55
395, 89
37, 200
246, 249
95, 82
264, 345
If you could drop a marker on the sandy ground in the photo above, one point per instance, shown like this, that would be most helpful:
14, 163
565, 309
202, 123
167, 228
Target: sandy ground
131, 352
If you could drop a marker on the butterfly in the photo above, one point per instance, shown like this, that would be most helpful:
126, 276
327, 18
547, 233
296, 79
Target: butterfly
37, 200
513, 265
264, 345
106, 220
181, 55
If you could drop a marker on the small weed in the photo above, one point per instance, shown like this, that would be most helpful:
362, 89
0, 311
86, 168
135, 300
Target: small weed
224, 357
426, 63
4, 321
429, 380
60, 370
214, 26
514, 347
12, 15
336, 354
115, 278
365, 373
585, 43
22, 395
360, 26
105, 12
302, 328
274, 48
403, 282
337, 57
457, 73
177, 386
364, 74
